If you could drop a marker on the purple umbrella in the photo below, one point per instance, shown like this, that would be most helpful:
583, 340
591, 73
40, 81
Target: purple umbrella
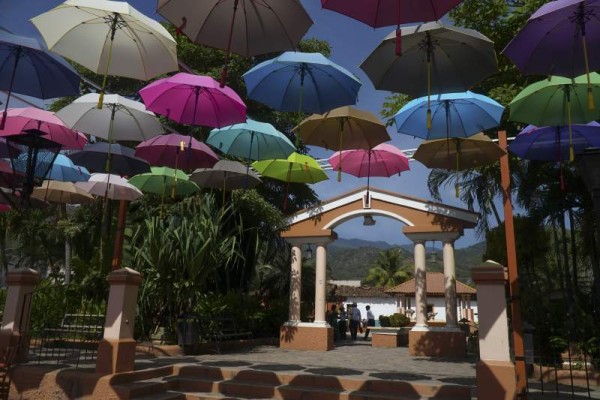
194, 100
551, 143
176, 151
556, 39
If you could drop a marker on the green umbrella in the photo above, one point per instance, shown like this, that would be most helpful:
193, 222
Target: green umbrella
556, 101
164, 179
296, 168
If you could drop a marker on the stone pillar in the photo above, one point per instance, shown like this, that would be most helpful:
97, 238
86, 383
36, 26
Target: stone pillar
321, 284
420, 285
295, 284
17, 312
450, 284
116, 351
496, 375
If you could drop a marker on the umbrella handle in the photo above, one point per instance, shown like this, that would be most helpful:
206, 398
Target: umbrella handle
228, 52
339, 171
398, 40
113, 29
571, 148
457, 167
590, 96
428, 93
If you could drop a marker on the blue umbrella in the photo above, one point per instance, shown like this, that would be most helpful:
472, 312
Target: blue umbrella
551, 143
252, 140
303, 82
453, 115
28, 68
62, 169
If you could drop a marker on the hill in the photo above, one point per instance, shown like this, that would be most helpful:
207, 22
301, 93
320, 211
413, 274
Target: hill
351, 258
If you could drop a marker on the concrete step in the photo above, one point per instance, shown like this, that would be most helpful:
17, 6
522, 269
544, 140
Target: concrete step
147, 387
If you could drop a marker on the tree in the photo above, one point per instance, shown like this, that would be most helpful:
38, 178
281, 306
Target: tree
389, 269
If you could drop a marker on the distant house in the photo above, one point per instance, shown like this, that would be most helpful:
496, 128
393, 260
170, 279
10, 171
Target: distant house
401, 298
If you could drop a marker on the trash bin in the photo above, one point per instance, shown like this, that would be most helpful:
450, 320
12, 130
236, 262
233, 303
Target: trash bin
188, 330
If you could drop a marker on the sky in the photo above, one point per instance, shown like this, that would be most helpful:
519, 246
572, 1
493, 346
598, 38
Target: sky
351, 42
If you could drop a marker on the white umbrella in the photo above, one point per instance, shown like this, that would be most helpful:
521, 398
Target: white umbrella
109, 38
61, 193
112, 186
120, 119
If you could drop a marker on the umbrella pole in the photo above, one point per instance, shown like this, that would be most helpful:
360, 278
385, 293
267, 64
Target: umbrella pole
562, 179
571, 148
581, 23
457, 167
249, 159
339, 171
302, 74
12, 81
429, 45
113, 30
287, 187
228, 52
369, 173
120, 235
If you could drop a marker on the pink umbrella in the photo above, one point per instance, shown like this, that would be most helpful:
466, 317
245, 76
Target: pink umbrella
383, 160
194, 100
176, 151
21, 119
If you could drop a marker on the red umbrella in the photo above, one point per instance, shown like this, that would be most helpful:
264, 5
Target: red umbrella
176, 151
19, 120
379, 13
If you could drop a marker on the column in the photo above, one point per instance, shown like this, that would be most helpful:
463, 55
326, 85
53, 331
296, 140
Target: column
116, 351
295, 284
450, 284
420, 284
321, 284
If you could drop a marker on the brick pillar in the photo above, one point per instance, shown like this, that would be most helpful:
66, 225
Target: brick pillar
496, 376
450, 284
116, 352
17, 311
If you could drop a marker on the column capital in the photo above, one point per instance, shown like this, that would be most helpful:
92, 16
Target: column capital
325, 239
22, 276
490, 272
432, 236
125, 276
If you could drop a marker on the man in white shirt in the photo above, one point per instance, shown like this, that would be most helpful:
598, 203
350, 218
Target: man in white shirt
370, 321
355, 318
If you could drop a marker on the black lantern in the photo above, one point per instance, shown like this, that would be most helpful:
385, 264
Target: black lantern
309, 253
369, 221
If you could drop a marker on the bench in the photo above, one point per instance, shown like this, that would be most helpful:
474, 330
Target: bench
77, 328
226, 329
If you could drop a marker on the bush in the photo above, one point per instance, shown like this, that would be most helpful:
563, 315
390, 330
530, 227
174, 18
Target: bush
384, 321
395, 320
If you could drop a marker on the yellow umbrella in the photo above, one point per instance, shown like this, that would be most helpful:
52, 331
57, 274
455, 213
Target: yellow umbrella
61, 192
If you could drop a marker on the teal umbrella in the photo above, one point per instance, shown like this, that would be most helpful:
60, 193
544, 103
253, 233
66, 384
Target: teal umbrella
252, 140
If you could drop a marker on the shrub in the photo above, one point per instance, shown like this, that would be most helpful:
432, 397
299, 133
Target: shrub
384, 320
399, 320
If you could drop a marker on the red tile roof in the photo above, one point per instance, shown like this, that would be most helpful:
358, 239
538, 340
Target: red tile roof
360, 291
435, 286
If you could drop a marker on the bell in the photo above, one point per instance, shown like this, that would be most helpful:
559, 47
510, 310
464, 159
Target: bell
308, 254
368, 221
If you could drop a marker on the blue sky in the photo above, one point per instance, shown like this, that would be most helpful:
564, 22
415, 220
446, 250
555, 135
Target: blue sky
351, 42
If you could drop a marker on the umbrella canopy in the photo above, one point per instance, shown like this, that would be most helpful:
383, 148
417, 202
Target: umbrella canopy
458, 153
226, 175
453, 115
303, 82
383, 160
556, 101
295, 168
556, 39
551, 143
27, 68
252, 140
163, 180
64, 170
109, 37
19, 120
112, 186
122, 159
344, 128
436, 58
194, 100
120, 119
8, 176
176, 151
61, 192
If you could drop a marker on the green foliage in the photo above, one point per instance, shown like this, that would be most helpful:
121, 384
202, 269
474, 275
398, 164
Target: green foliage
396, 320
390, 268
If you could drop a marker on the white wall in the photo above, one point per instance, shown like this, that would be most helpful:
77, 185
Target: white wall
379, 306
439, 307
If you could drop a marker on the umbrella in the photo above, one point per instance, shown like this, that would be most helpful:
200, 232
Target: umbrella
252, 139
383, 160
27, 68
453, 115
556, 39
64, 170
161, 179
303, 82
19, 120
551, 143
296, 168
120, 119
108, 38
194, 100
122, 159
61, 192
344, 128
164, 150
225, 175
379, 13
261, 26
8, 176
556, 101
437, 58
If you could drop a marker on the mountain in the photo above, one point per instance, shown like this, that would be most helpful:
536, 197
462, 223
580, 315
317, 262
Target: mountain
352, 258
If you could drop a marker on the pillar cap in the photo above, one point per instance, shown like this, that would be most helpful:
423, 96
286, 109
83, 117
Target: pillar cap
125, 276
22, 276
489, 272
329, 237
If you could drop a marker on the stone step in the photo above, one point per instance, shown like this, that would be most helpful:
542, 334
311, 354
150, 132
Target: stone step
168, 395
147, 387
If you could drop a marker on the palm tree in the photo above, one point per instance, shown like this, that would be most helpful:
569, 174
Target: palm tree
389, 269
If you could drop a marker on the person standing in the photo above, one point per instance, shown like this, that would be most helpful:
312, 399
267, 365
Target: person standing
354, 321
343, 323
332, 319
370, 321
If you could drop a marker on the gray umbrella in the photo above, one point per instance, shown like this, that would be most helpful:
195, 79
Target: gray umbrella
456, 57
226, 174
